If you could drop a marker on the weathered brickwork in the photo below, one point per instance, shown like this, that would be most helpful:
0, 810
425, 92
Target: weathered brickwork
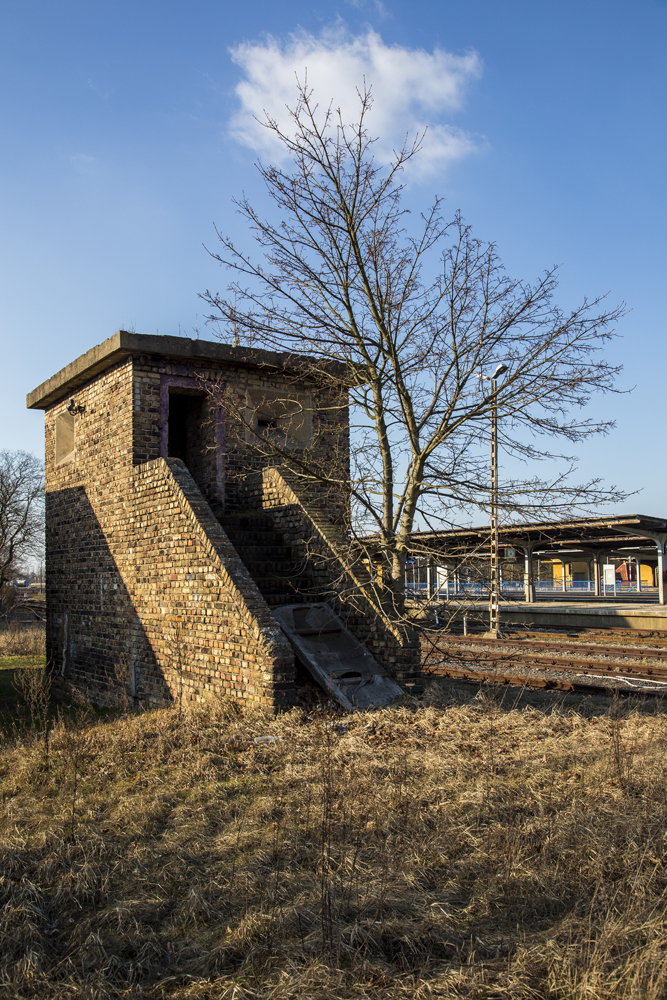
84, 591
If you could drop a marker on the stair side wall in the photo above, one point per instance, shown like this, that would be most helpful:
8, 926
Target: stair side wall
194, 590
323, 546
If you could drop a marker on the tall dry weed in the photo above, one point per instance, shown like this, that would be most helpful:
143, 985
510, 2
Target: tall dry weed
123, 684
17, 639
34, 687
74, 745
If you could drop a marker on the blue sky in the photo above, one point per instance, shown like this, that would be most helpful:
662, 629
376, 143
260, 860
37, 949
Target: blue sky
125, 131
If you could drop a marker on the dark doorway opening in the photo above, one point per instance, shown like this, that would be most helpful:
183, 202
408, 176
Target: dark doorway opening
185, 427
192, 430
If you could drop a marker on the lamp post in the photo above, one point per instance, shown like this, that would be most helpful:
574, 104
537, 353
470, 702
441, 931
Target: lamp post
494, 598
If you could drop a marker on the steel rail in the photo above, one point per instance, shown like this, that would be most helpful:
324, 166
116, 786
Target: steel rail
638, 671
547, 647
544, 683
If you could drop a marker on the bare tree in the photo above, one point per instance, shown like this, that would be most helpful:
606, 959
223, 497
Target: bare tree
21, 510
415, 313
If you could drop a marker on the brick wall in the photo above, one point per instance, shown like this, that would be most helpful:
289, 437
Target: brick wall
85, 600
246, 456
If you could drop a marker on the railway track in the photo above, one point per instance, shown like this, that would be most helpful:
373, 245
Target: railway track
25, 612
546, 683
581, 633
551, 661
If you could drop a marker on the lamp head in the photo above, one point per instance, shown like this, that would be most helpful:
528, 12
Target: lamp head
500, 370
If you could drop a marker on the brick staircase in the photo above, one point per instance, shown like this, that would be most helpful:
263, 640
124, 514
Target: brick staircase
280, 579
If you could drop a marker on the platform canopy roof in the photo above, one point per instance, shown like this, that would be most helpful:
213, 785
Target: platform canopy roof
581, 534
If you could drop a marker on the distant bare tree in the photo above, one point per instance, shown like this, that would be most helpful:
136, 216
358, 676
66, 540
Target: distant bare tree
415, 314
21, 510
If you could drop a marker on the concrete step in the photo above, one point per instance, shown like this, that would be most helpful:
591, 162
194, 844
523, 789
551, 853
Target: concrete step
260, 555
276, 584
251, 537
277, 600
335, 658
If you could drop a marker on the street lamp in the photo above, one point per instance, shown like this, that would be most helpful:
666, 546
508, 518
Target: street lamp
494, 599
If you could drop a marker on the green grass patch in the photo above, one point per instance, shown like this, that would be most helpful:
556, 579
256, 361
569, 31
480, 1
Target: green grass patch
15, 662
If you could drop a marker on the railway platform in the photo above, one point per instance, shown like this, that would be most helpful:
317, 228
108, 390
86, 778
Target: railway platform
577, 614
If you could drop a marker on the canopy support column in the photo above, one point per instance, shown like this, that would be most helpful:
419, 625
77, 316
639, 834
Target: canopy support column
596, 570
431, 578
528, 577
660, 541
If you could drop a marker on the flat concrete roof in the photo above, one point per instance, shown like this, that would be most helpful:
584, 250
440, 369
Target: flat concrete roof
124, 344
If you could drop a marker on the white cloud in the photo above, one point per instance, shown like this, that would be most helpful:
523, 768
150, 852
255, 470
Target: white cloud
411, 89
82, 163
376, 6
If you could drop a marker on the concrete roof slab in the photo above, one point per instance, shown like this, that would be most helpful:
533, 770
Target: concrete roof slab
124, 344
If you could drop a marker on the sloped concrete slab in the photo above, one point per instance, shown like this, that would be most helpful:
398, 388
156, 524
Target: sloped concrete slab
337, 661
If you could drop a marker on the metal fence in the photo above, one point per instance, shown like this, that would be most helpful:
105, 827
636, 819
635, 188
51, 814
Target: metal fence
475, 588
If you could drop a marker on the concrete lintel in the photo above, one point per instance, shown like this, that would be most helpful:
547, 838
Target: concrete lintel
123, 344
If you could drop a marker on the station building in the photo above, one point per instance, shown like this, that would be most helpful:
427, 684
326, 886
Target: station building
169, 533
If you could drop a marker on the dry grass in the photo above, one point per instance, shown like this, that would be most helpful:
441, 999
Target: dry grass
18, 639
449, 847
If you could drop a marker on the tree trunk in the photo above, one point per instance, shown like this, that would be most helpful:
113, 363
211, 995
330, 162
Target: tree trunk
397, 585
